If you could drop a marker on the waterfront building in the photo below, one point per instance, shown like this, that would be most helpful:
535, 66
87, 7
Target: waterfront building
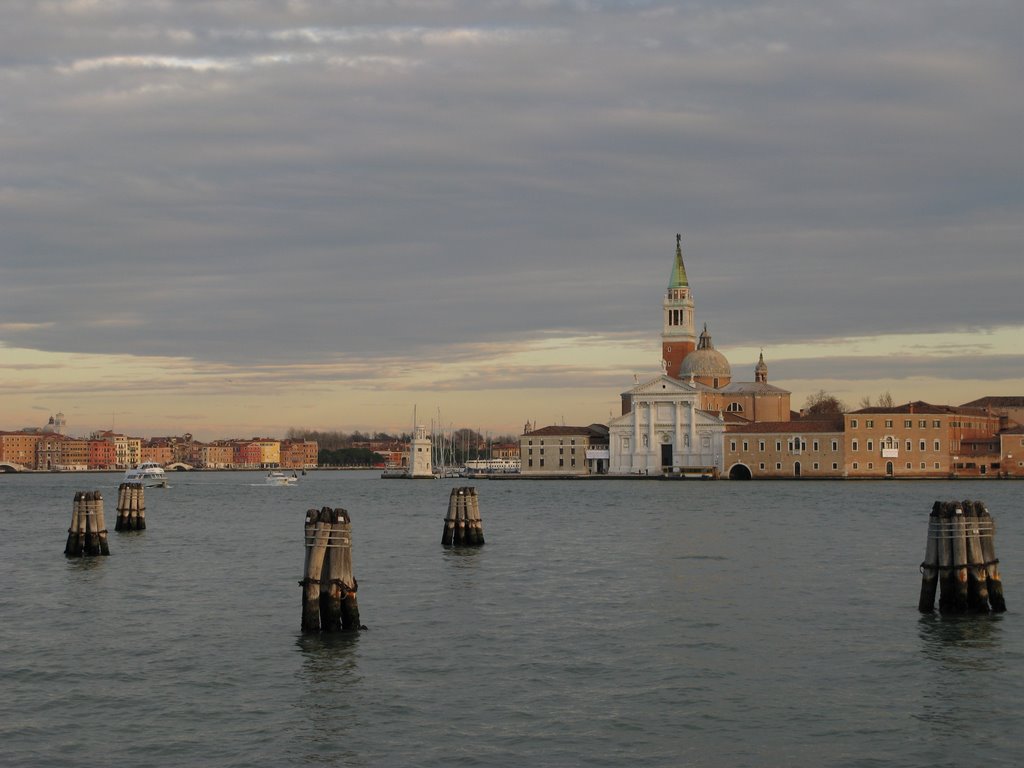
127, 450
1011, 452
102, 454
158, 451
559, 451
55, 451
919, 439
785, 449
248, 454
298, 454
19, 448
216, 455
663, 430
270, 452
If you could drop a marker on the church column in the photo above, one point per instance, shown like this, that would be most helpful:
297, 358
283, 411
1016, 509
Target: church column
651, 449
677, 448
635, 452
693, 429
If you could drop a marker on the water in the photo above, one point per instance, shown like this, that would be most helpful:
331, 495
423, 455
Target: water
604, 623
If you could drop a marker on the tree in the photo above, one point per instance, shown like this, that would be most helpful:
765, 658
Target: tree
884, 401
823, 403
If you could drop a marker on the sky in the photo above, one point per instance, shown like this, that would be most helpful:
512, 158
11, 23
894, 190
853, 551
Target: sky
236, 217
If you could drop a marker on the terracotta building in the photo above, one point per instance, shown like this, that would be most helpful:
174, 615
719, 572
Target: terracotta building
921, 440
19, 448
1011, 452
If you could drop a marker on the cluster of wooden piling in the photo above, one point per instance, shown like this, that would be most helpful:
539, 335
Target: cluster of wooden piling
131, 507
463, 525
329, 587
960, 559
88, 532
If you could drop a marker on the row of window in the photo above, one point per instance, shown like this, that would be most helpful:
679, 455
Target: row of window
795, 444
529, 451
778, 465
869, 423
856, 465
871, 465
891, 443
561, 463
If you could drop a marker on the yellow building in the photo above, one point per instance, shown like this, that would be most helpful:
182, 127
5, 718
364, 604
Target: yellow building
270, 452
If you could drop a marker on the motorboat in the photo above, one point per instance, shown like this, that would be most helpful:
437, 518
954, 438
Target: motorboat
280, 478
148, 473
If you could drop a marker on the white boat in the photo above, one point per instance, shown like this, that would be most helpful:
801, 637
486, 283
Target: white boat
280, 478
149, 473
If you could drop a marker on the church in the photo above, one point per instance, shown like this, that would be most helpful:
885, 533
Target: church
674, 423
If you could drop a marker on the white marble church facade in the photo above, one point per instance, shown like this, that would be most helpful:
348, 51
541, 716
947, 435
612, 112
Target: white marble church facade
664, 431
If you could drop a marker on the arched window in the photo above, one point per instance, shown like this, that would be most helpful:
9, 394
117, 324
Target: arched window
734, 408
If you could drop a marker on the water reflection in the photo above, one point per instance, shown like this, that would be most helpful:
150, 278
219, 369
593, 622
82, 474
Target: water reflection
327, 697
328, 657
463, 557
962, 643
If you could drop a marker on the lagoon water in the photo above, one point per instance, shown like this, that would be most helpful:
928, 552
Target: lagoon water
604, 623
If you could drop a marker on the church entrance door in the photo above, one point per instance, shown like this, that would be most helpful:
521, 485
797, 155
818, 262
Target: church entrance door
666, 455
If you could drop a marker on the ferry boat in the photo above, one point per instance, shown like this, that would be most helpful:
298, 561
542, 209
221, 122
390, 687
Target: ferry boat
491, 467
149, 473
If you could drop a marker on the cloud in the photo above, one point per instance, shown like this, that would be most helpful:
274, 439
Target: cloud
261, 183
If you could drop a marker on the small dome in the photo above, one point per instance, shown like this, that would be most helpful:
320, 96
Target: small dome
705, 360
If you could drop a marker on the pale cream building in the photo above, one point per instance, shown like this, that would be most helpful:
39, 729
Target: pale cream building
564, 451
664, 431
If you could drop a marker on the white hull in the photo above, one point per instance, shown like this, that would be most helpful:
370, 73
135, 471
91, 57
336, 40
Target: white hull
279, 478
149, 473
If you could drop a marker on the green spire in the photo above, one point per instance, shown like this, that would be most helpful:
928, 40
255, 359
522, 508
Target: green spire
678, 279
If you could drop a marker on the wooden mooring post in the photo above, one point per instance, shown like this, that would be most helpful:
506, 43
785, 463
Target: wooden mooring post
462, 525
87, 534
329, 586
131, 507
960, 559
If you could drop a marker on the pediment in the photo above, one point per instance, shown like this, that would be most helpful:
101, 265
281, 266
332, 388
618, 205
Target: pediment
663, 385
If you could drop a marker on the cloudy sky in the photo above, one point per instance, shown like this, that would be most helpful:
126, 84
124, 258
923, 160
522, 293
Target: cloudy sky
239, 216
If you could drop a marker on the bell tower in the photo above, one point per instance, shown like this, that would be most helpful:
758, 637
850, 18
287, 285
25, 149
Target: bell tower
678, 338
